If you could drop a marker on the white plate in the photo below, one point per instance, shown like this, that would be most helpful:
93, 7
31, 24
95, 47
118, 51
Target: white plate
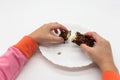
68, 54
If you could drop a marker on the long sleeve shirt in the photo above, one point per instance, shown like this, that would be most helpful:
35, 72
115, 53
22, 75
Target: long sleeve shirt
14, 59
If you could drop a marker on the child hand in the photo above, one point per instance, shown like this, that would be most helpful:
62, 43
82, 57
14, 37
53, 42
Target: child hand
101, 53
43, 34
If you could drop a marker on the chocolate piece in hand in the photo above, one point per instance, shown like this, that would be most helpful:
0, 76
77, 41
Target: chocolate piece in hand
82, 39
65, 34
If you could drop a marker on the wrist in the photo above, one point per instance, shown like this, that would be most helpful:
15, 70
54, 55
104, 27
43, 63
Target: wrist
108, 66
27, 46
34, 38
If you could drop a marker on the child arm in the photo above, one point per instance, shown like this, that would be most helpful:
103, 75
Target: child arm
15, 57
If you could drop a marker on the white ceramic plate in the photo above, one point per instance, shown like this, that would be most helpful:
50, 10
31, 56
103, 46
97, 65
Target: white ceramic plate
68, 54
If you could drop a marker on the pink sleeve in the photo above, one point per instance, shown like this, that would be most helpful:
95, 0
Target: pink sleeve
11, 63
14, 59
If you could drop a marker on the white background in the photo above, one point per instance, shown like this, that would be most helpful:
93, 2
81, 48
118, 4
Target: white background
21, 17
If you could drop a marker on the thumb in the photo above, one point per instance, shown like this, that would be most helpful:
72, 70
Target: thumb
85, 48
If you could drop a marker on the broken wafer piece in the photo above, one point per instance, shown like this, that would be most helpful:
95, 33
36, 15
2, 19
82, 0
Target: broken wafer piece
82, 39
65, 34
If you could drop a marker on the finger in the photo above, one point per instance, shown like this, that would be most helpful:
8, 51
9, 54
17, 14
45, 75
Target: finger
58, 26
85, 48
56, 39
94, 35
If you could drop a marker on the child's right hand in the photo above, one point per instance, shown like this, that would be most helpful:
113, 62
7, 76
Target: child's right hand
101, 53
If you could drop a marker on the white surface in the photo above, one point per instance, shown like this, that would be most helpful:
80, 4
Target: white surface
71, 55
20, 17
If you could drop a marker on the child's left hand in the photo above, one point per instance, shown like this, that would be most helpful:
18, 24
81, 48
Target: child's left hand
43, 34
